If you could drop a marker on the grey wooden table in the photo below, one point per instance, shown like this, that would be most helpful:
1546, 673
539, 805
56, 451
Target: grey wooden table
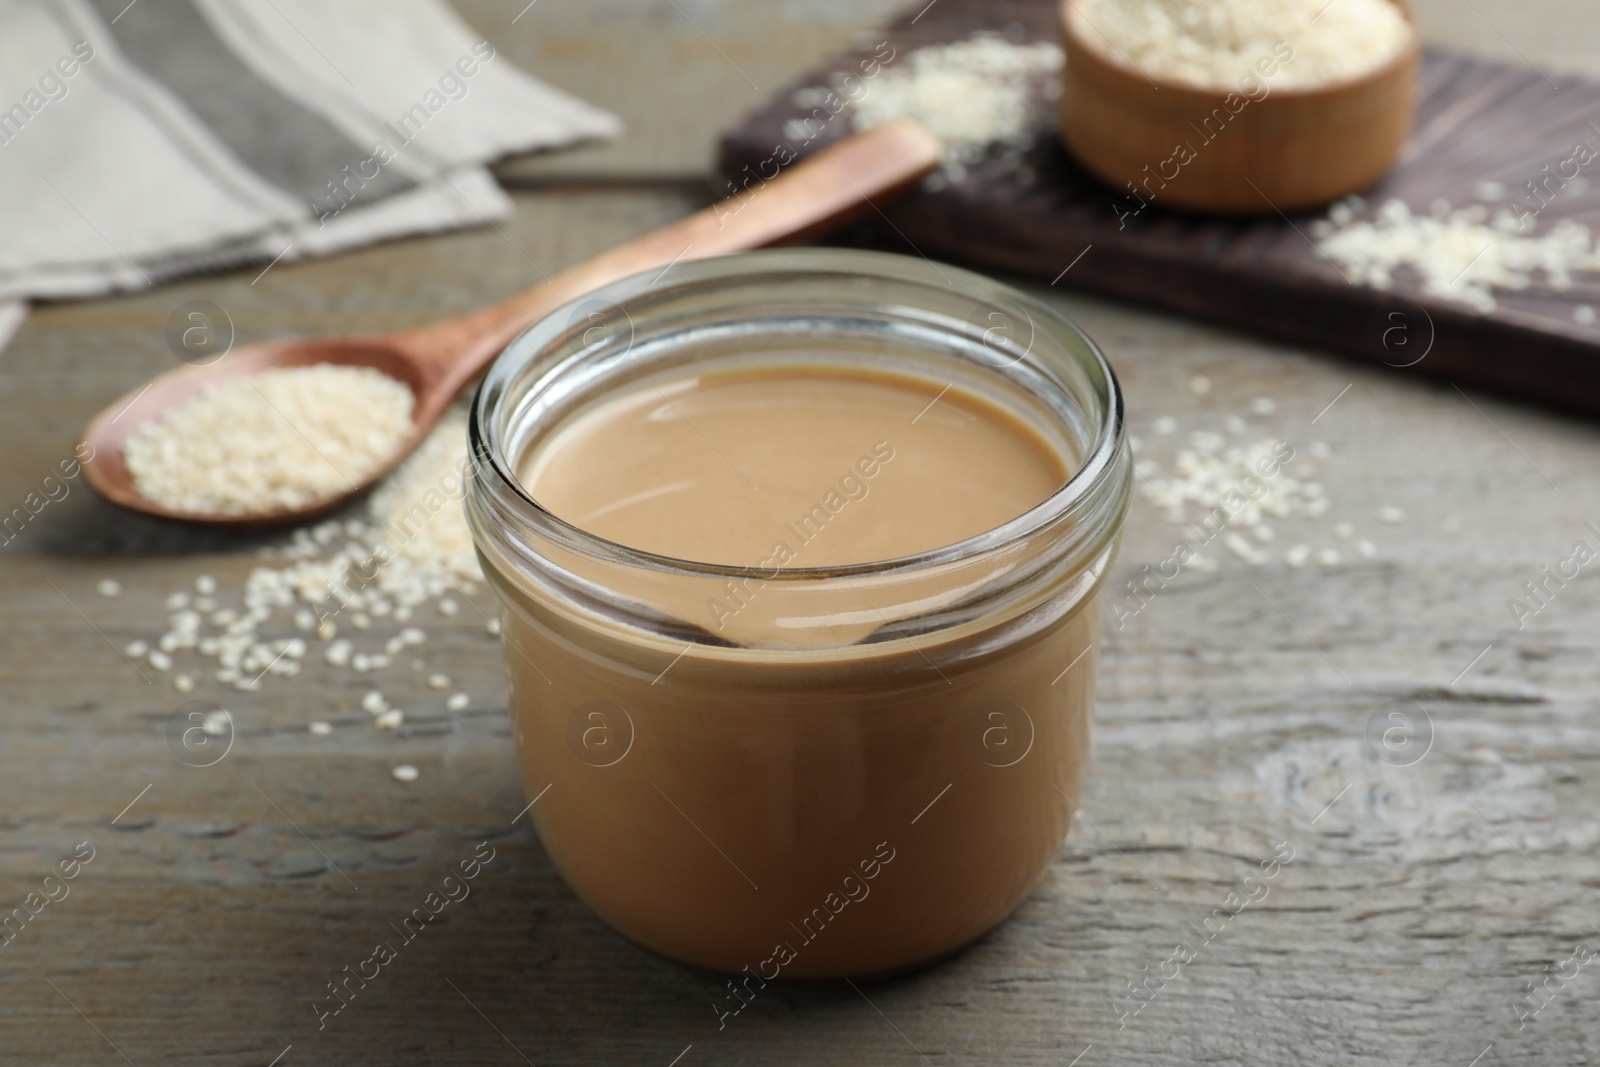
1433, 882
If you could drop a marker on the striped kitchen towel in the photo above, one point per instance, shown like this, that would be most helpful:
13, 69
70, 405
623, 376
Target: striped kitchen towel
144, 140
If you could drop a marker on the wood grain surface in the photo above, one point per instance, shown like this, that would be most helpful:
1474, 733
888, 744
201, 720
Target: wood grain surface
1234, 714
1476, 122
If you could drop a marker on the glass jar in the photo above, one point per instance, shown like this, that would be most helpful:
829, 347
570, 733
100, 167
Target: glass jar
885, 782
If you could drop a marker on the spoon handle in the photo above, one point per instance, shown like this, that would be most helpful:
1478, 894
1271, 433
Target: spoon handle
821, 193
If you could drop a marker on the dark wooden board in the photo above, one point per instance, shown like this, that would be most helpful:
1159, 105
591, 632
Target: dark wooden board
1477, 122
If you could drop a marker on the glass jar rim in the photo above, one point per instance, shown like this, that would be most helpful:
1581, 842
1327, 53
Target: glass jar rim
1096, 475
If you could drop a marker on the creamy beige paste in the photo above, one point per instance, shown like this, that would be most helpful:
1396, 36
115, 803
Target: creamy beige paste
841, 468
810, 811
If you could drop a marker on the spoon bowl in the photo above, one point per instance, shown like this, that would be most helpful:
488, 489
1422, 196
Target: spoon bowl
821, 193
107, 472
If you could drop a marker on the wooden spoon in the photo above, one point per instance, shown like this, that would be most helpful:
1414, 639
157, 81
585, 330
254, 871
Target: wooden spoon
810, 198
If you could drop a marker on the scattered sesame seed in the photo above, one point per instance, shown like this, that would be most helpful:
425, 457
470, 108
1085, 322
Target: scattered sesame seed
405, 773
1165, 425
160, 660
1328, 557
248, 642
109, 587
1460, 255
493, 627
1235, 425
1263, 405
374, 702
1297, 556
1214, 469
390, 719
458, 701
1366, 549
438, 681
1199, 385
1343, 530
1583, 315
970, 94
321, 729
1391, 515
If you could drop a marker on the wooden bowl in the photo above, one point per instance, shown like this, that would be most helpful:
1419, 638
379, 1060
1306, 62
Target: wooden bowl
1167, 143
